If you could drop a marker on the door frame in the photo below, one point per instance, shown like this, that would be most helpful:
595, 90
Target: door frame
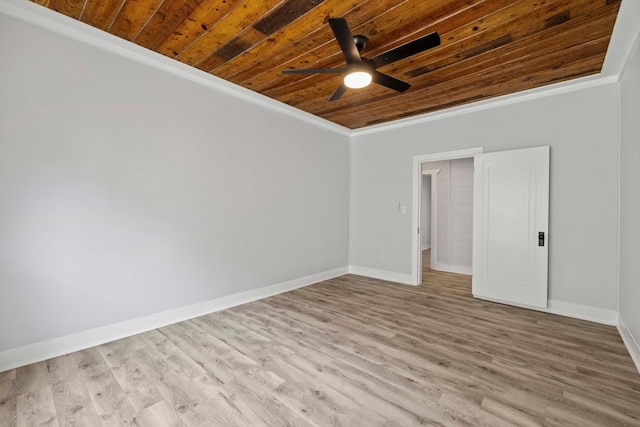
416, 247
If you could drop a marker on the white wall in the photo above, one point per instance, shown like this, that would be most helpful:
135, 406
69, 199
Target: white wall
425, 213
581, 128
125, 191
629, 87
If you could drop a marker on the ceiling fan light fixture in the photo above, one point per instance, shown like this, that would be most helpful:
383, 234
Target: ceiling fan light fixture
360, 71
357, 79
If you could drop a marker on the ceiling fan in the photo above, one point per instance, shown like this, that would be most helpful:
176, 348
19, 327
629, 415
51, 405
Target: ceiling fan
361, 71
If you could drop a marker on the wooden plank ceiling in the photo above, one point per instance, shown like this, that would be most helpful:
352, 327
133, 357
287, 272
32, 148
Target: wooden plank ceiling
489, 47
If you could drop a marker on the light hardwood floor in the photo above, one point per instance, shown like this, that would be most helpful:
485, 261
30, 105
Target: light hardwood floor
348, 351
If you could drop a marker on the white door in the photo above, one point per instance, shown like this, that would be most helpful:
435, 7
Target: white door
510, 217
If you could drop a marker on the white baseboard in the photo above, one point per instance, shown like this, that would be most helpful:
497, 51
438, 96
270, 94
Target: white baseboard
256, 294
460, 269
36, 352
568, 309
584, 312
425, 247
390, 276
629, 341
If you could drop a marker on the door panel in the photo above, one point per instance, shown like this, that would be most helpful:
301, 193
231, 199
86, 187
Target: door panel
511, 200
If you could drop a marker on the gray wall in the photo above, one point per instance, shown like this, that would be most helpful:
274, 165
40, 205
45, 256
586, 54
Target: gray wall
630, 194
125, 191
581, 128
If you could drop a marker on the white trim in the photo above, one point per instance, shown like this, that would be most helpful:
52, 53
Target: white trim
499, 101
459, 269
584, 312
568, 309
619, 37
626, 33
68, 27
629, 341
389, 276
416, 255
43, 350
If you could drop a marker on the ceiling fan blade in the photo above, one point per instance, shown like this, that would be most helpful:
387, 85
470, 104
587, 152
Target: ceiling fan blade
338, 93
408, 49
345, 40
390, 82
314, 71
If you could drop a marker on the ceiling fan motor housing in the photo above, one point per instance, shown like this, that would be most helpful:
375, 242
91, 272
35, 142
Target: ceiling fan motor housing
360, 42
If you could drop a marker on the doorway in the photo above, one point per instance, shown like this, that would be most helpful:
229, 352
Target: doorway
432, 170
509, 223
447, 200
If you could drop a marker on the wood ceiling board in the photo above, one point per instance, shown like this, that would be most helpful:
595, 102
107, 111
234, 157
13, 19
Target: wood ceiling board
132, 17
164, 21
204, 17
285, 14
489, 47
477, 61
100, 14
71, 8
237, 20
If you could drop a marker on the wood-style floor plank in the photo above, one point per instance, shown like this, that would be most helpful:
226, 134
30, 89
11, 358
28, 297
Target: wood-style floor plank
8, 398
348, 351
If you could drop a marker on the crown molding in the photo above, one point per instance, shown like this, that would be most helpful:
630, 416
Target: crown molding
514, 98
73, 29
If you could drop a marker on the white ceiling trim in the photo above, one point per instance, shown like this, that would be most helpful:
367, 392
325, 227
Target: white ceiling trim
499, 101
625, 33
